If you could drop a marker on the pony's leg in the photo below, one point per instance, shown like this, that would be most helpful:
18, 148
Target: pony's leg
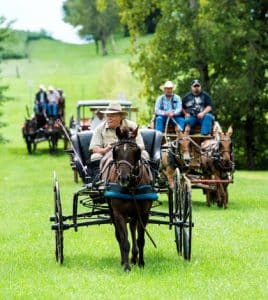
135, 250
122, 238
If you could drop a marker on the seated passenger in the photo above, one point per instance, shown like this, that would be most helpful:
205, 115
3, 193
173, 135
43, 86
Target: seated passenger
197, 108
53, 100
97, 119
41, 101
168, 105
104, 135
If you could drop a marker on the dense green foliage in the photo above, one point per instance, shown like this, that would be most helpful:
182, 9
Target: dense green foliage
224, 43
100, 21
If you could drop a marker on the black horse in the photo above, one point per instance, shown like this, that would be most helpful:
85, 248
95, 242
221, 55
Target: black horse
129, 192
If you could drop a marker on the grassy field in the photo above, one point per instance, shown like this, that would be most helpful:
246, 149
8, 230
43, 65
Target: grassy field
229, 256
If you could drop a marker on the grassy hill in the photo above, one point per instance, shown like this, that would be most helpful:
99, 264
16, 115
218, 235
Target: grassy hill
229, 257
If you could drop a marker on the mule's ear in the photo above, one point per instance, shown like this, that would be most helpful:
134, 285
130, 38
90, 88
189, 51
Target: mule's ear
135, 132
118, 133
230, 130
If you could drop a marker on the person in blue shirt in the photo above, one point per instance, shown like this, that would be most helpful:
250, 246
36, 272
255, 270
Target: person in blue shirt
168, 107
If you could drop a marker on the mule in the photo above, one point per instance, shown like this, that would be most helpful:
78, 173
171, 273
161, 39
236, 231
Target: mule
217, 163
29, 131
178, 154
124, 169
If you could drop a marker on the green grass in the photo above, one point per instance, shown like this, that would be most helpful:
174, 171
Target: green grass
229, 255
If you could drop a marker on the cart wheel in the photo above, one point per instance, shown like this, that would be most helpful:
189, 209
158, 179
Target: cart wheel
177, 211
58, 221
186, 206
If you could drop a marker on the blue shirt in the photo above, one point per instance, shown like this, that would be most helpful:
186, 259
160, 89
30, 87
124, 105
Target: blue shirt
164, 105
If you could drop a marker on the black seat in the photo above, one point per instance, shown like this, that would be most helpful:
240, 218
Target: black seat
81, 154
152, 141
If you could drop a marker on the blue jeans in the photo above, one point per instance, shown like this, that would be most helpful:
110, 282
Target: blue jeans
40, 107
52, 109
160, 122
205, 123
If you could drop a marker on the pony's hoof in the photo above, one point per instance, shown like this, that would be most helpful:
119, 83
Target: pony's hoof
141, 265
127, 269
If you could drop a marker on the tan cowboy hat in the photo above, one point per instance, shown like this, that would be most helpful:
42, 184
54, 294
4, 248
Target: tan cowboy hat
42, 87
114, 108
168, 84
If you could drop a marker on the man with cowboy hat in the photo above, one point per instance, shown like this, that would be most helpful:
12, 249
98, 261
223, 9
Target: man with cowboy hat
104, 135
168, 107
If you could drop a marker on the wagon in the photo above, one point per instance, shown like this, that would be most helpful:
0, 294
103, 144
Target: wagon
40, 128
86, 110
92, 196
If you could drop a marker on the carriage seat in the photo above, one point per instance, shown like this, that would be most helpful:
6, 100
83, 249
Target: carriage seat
81, 142
152, 141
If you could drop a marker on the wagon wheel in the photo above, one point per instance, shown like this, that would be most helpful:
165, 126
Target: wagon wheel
186, 207
58, 221
177, 210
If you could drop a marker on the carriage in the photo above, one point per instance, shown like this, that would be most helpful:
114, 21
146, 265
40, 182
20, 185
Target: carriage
40, 127
96, 195
206, 161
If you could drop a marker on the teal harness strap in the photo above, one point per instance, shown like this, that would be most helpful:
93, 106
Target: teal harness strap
142, 192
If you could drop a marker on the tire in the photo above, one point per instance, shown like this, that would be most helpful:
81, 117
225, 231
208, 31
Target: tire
59, 222
177, 212
186, 219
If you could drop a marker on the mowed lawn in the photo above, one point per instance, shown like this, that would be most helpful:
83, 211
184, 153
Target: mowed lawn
229, 251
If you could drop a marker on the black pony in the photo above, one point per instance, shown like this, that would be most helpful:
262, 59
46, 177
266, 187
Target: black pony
129, 192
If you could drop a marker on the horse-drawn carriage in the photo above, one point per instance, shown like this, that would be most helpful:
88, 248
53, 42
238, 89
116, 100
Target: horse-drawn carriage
40, 128
128, 193
206, 161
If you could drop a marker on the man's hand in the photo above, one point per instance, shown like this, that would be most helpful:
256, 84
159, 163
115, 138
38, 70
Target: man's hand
200, 115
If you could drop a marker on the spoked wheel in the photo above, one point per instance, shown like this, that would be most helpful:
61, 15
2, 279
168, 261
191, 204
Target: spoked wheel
177, 213
186, 210
58, 221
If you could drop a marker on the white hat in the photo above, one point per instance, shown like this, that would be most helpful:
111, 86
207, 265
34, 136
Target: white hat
42, 87
51, 88
168, 84
114, 108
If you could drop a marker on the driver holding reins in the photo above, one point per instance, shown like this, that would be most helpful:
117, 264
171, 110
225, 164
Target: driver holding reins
168, 107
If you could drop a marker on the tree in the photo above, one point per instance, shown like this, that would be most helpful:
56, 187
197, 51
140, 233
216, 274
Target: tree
93, 18
224, 43
4, 34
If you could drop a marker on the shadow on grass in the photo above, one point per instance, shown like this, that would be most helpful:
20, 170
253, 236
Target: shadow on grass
155, 261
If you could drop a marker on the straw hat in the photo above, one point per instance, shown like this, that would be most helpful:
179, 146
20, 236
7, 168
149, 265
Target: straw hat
114, 108
168, 84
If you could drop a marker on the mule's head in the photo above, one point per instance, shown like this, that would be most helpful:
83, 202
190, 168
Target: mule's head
184, 146
225, 149
126, 156
30, 127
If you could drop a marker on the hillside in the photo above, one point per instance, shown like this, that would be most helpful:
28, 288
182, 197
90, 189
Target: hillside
75, 68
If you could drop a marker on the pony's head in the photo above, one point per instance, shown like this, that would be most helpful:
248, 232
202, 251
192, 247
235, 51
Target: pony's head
126, 157
226, 149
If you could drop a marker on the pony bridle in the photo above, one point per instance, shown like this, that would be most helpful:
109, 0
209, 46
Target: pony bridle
134, 170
